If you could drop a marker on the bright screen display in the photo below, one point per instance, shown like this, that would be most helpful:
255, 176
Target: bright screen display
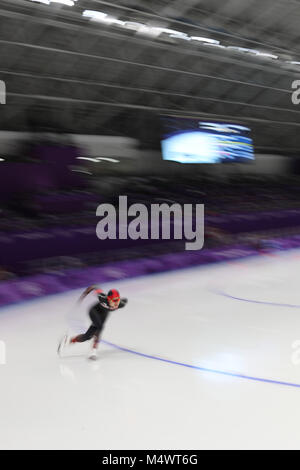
194, 141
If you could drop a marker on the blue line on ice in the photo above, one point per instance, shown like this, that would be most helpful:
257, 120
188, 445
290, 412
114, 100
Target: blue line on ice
203, 369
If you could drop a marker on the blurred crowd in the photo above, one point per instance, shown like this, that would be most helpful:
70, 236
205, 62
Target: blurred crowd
76, 207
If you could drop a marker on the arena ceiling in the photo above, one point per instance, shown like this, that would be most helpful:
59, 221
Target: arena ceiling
93, 66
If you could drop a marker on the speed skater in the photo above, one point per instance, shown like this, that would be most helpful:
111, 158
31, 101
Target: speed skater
98, 314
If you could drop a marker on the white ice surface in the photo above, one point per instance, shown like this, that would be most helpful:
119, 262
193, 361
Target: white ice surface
129, 401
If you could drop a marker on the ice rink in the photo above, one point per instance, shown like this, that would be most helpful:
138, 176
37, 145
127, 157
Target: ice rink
201, 358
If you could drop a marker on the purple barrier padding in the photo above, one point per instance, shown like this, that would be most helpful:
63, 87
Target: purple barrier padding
48, 175
60, 155
40, 285
25, 178
21, 247
60, 158
29, 288
24, 246
59, 203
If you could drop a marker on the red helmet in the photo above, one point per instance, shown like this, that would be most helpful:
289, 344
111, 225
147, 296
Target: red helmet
113, 294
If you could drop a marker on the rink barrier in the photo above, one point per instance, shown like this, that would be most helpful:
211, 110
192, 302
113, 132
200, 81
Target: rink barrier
19, 249
37, 286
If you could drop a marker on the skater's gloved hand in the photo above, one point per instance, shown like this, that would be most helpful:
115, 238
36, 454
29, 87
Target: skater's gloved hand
80, 300
86, 292
123, 302
101, 296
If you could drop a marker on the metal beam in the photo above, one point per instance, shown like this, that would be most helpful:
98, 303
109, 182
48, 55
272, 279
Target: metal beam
149, 108
137, 64
147, 90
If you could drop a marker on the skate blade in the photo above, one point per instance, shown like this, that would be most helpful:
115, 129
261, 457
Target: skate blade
93, 358
61, 345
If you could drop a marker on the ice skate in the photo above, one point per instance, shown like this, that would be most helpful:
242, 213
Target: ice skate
94, 355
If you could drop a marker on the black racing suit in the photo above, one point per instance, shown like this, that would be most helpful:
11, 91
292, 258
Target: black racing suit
98, 313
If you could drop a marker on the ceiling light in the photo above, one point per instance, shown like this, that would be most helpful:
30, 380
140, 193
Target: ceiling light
180, 36
139, 27
207, 40
214, 45
266, 54
90, 159
242, 49
46, 2
252, 51
82, 171
102, 17
94, 15
69, 3
112, 160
